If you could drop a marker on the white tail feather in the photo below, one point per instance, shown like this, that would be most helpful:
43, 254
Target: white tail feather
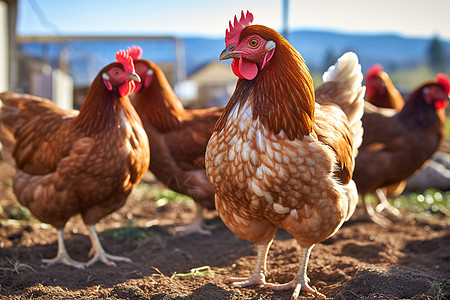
347, 73
347, 70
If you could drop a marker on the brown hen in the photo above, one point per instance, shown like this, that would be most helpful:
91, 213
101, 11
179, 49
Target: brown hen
394, 147
178, 138
382, 97
380, 90
276, 158
71, 162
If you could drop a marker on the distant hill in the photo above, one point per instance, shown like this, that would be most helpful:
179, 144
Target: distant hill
393, 51
388, 49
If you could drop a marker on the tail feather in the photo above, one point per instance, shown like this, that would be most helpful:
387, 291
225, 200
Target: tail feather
343, 86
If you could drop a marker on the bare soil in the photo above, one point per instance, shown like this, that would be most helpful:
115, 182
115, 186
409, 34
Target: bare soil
408, 260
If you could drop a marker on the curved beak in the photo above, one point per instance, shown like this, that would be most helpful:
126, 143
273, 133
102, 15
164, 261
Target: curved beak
134, 76
229, 54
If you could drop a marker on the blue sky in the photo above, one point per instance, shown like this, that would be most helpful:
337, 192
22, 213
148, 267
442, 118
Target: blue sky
210, 17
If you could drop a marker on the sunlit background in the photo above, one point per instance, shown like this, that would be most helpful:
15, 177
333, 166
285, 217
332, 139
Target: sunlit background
55, 48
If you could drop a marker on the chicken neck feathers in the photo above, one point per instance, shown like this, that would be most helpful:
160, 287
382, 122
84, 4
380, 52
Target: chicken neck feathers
285, 78
170, 125
157, 103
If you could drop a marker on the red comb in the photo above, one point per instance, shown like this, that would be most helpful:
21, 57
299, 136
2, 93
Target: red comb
232, 34
443, 80
374, 70
135, 52
125, 59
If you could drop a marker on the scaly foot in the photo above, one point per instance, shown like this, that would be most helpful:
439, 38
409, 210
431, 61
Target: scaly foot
191, 229
196, 226
298, 287
63, 259
62, 256
389, 208
374, 216
99, 254
107, 259
256, 279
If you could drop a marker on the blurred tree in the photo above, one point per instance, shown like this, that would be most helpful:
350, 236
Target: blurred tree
436, 55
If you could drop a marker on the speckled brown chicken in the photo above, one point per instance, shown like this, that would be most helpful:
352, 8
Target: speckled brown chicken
277, 158
71, 162
178, 138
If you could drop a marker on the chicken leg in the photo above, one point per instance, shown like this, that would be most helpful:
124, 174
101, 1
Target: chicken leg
374, 214
384, 203
300, 283
258, 277
196, 226
62, 256
98, 253
375, 217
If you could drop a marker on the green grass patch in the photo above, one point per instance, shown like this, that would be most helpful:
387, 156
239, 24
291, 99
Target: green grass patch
130, 233
160, 196
16, 212
432, 201
166, 196
134, 234
200, 271
436, 291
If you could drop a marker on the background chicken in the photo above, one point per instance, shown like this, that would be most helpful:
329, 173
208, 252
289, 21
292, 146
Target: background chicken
69, 162
277, 158
380, 91
382, 97
394, 147
178, 137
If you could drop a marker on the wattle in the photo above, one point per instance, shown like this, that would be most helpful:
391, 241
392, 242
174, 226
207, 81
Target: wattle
138, 86
440, 104
235, 68
126, 88
244, 68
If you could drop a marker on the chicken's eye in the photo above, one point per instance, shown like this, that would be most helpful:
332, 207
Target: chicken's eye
253, 43
116, 72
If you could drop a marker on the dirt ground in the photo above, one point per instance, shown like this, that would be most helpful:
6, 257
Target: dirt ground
408, 260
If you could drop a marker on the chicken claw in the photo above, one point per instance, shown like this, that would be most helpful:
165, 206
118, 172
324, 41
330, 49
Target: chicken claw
384, 203
258, 277
191, 229
62, 256
64, 259
99, 253
255, 279
301, 282
373, 215
106, 258
196, 226
298, 287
